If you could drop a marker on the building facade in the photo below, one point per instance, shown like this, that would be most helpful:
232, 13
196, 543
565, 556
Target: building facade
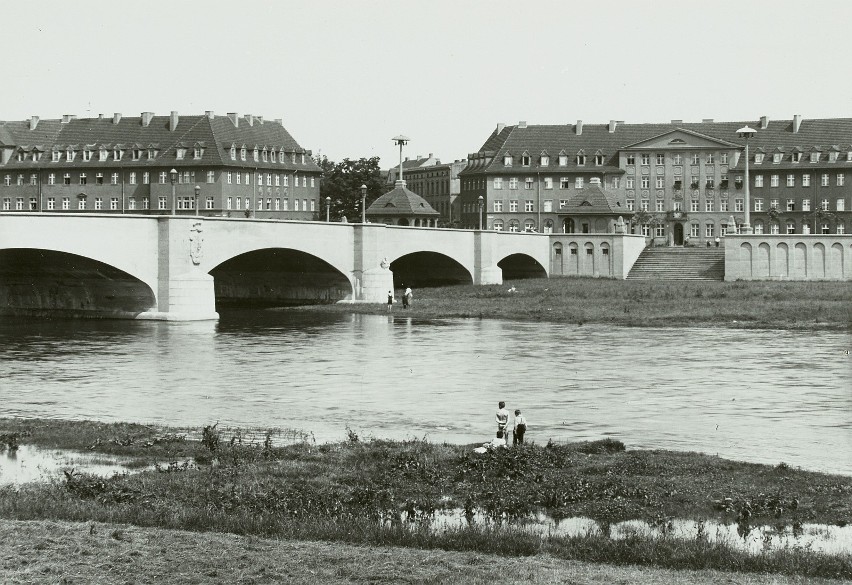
678, 183
439, 185
218, 165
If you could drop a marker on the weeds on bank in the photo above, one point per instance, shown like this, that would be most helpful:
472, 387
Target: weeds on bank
387, 492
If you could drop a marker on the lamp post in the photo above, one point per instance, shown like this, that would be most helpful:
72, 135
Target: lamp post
173, 177
363, 203
401, 141
481, 201
197, 197
745, 132
327, 209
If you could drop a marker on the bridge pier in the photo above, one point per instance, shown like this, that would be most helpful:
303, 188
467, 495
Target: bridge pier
372, 279
485, 270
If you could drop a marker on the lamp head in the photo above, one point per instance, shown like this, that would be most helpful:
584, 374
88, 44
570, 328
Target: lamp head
401, 140
746, 132
364, 190
173, 175
197, 190
481, 199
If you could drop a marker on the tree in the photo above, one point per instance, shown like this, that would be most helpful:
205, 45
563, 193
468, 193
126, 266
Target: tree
820, 215
342, 182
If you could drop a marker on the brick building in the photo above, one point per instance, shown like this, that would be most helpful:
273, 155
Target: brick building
679, 182
233, 166
439, 185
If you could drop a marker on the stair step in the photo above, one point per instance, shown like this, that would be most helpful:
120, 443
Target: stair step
679, 264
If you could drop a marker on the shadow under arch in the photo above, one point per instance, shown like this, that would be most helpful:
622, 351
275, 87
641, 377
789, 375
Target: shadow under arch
424, 269
521, 266
274, 277
47, 282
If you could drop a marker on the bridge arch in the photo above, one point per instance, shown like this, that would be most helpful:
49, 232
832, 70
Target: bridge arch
35, 281
276, 277
428, 268
520, 266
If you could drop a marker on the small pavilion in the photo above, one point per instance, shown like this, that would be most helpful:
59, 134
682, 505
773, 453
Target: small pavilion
401, 206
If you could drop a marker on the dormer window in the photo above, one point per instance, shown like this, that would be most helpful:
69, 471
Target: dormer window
117, 153
776, 158
243, 153
233, 151
264, 155
137, 153
525, 160
36, 155
197, 152
507, 160
152, 153
272, 156
599, 160
563, 160
545, 160
102, 154
832, 156
814, 157
69, 154
303, 158
180, 153
254, 154
758, 158
849, 156
796, 157
293, 158
581, 159
55, 156
87, 155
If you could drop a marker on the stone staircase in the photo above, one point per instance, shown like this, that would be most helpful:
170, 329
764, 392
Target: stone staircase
675, 263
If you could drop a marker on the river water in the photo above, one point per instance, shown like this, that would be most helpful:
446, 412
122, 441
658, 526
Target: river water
763, 396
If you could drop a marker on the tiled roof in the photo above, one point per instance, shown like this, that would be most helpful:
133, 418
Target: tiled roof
595, 200
401, 202
515, 140
215, 135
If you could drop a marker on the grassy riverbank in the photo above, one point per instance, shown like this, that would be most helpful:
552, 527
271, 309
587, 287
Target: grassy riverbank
770, 305
384, 493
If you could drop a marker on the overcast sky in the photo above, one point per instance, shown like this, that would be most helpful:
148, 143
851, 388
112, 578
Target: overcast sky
347, 76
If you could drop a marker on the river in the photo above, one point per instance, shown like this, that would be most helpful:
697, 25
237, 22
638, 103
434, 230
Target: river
752, 395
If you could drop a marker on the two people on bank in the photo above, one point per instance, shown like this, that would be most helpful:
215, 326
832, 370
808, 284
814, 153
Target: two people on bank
406, 299
519, 429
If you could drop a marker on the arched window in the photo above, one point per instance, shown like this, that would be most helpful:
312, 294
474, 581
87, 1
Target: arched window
529, 225
514, 225
758, 226
497, 226
548, 226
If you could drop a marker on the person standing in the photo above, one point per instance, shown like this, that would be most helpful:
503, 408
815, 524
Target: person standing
520, 428
406, 298
502, 419
390, 301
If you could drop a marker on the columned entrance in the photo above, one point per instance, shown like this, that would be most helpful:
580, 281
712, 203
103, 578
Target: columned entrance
677, 231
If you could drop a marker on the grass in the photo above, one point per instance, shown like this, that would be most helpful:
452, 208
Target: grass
381, 493
771, 305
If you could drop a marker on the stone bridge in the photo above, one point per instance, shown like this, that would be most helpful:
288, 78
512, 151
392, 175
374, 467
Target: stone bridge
180, 268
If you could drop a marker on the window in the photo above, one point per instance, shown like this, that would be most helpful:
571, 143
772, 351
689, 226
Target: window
631, 204
758, 158
791, 205
7, 180
131, 203
758, 180
806, 180
758, 204
99, 179
824, 205
659, 182
814, 157
806, 204
19, 204
824, 228
646, 230
578, 182
791, 227
709, 158
615, 182
646, 158
773, 204
723, 158
239, 177
776, 158
211, 177
545, 160
269, 180
791, 180
661, 159
55, 156
66, 179
180, 154
643, 205
161, 202
824, 181
738, 204
630, 182
599, 160
548, 182
208, 203
693, 205
840, 205
113, 203
723, 205
83, 179
548, 205
796, 157
233, 153
87, 155
514, 226
507, 160
840, 228
563, 203
163, 176
695, 158
709, 230
498, 206
513, 205
528, 205
66, 203
660, 205
81, 203
581, 159
839, 179
114, 179
498, 182
20, 180
708, 205
563, 160
286, 181
694, 230
513, 183
51, 203
51, 179
773, 181
243, 153
564, 182
758, 227
631, 159
660, 231
34, 179
645, 182
229, 202
146, 178
131, 178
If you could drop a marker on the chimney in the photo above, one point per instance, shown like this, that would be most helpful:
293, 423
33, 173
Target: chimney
209, 114
235, 118
173, 121
579, 129
764, 122
68, 117
260, 119
250, 119
522, 124
612, 125
430, 155
279, 121
677, 121
707, 120
500, 128
146, 118
116, 118
406, 159
33, 122
797, 123
100, 116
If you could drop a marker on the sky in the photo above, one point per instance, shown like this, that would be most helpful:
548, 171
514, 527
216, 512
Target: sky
346, 76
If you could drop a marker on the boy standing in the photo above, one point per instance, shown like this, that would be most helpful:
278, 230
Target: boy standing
520, 428
502, 419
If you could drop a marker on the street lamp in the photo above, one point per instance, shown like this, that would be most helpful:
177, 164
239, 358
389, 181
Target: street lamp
481, 201
401, 141
745, 132
173, 177
197, 198
327, 209
363, 203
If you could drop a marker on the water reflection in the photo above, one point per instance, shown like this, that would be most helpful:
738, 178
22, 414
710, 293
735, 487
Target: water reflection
766, 396
29, 463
